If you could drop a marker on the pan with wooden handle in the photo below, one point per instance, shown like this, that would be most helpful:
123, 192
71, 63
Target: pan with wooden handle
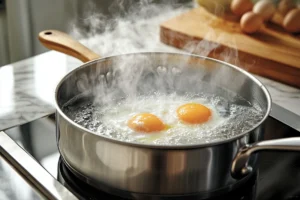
132, 169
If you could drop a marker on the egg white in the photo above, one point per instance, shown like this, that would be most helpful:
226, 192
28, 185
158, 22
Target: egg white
115, 118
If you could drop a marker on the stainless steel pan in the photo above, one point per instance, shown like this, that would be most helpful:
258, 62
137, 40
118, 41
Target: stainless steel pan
138, 170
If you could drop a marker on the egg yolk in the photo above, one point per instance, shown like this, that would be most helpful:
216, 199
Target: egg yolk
145, 122
193, 113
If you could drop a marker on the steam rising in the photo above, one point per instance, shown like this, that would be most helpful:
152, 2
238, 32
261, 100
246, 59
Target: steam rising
136, 29
129, 30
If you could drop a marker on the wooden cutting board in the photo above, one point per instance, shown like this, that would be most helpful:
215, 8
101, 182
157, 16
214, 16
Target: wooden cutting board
201, 32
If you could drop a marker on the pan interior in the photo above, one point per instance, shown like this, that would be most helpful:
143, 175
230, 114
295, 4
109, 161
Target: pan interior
112, 80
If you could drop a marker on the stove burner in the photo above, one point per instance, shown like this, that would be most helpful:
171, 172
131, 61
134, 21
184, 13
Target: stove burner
84, 191
81, 189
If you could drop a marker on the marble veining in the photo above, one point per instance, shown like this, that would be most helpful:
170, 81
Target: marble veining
27, 87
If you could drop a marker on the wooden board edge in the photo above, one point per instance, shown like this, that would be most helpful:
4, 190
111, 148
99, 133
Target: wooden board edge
256, 40
271, 69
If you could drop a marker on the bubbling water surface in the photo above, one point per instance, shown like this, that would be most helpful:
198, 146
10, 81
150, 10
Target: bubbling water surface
229, 118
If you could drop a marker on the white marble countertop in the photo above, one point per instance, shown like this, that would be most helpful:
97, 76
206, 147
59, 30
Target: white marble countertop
27, 88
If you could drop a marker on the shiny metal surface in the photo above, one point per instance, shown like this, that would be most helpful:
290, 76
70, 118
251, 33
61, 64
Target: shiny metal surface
183, 73
151, 169
148, 170
32, 171
240, 166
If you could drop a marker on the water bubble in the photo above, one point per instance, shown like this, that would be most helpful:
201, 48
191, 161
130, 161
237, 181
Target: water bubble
110, 120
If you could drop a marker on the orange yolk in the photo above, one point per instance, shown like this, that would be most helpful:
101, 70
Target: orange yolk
145, 122
193, 113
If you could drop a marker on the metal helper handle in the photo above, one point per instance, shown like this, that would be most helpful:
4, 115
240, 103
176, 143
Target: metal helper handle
240, 166
31, 170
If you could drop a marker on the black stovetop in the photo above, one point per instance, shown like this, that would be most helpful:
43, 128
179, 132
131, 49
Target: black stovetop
277, 177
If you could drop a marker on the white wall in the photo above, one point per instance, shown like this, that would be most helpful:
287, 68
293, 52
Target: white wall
24, 19
4, 56
18, 29
49, 14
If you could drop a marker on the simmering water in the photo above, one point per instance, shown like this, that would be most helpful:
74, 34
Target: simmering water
229, 118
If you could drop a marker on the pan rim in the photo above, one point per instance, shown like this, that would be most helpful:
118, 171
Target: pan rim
154, 146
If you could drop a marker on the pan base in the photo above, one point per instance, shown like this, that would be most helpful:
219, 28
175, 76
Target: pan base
85, 188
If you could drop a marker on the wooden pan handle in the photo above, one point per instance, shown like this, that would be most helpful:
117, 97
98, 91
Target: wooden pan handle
62, 42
